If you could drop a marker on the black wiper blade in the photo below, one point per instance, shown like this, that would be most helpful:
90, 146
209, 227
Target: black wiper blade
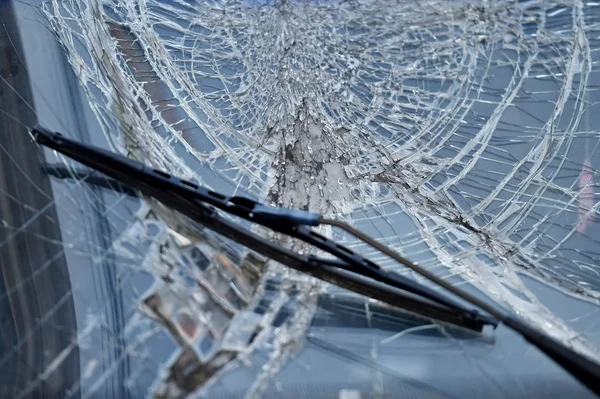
94, 178
191, 200
292, 222
134, 174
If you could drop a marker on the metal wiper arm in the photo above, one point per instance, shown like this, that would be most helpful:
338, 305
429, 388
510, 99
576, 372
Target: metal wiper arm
192, 199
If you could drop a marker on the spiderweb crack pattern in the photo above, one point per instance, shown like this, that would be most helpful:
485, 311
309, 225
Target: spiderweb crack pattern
475, 119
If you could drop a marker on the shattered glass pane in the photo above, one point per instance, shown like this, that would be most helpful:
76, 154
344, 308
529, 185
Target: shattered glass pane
459, 133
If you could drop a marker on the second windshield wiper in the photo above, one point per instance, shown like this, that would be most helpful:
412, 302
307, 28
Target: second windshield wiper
348, 271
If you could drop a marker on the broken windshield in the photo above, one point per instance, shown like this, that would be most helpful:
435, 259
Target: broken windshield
461, 134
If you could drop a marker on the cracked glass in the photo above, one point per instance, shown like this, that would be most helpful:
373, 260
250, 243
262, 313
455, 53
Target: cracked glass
462, 134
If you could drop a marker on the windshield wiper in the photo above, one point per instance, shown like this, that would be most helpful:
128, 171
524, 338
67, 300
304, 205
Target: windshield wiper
199, 202
348, 271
